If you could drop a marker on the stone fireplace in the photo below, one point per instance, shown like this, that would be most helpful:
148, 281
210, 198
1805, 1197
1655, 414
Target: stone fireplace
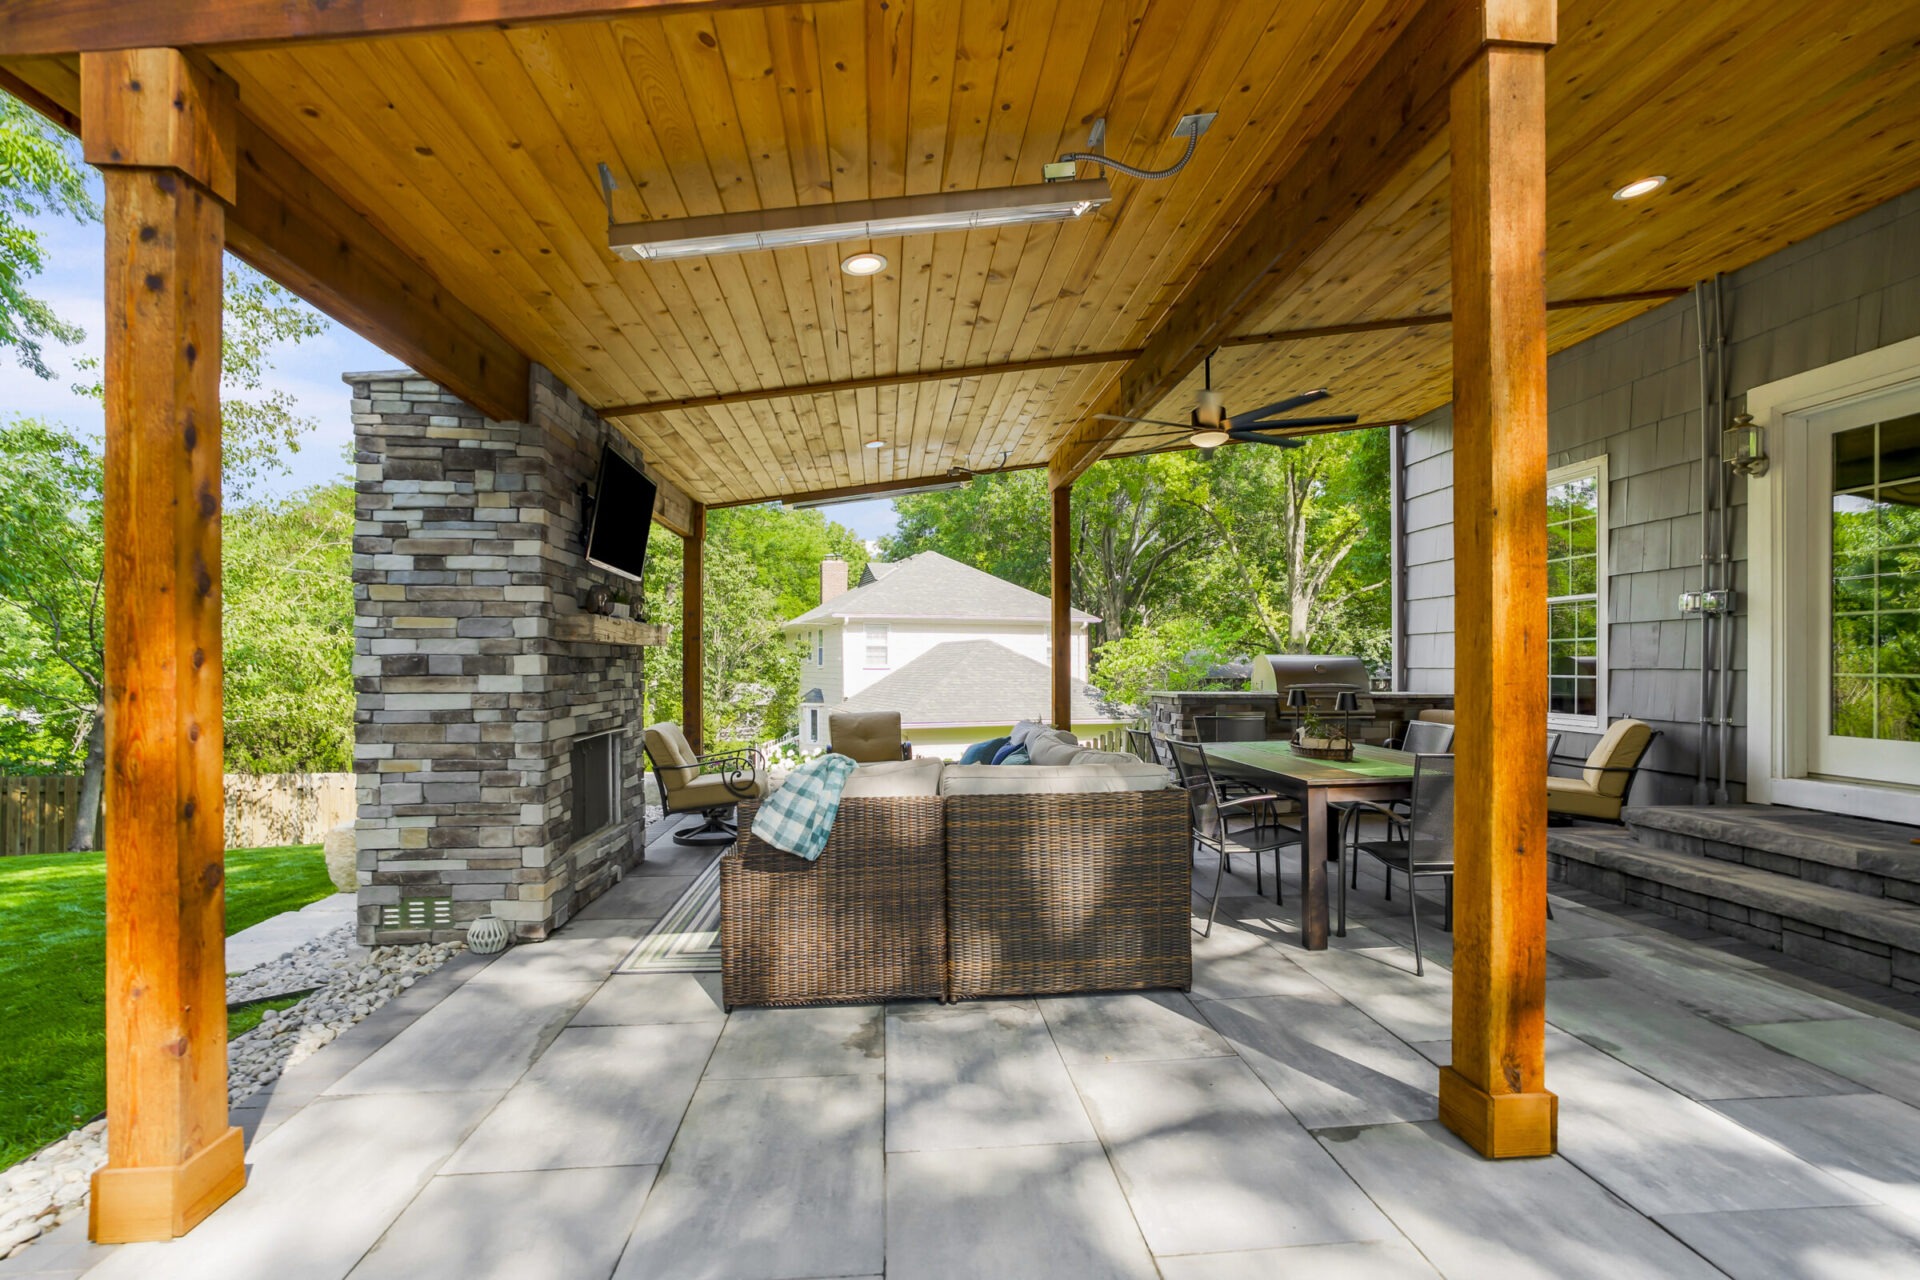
497, 756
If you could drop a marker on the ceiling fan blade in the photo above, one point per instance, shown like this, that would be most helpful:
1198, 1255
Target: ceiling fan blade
1151, 422
1254, 437
1278, 406
1331, 420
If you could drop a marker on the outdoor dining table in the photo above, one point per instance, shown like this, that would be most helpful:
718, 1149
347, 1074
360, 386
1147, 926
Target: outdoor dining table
1379, 774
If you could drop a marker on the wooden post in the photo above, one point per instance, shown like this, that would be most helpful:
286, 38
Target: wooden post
162, 131
1494, 1094
1061, 551
693, 623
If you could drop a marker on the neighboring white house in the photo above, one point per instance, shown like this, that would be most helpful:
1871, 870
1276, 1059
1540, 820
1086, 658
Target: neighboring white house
907, 638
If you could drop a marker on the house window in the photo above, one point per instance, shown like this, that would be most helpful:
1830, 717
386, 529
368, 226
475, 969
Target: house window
876, 644
813, 726
1874, 626
820, 646
1576, 601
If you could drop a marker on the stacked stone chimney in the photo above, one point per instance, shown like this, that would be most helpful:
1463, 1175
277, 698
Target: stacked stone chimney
466, 547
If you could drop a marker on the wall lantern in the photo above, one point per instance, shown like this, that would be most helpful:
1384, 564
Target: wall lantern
1743, 446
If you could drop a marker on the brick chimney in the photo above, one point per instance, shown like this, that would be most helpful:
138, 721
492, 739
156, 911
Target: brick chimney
833, 578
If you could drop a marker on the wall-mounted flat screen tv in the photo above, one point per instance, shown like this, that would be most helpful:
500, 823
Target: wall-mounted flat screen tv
622, 515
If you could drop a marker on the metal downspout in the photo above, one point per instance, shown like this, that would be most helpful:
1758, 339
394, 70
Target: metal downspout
1700, 793
1724, 474
1397, 535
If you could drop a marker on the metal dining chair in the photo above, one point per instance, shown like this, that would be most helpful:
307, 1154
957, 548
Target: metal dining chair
1418, 845
1209, 815
1422, 738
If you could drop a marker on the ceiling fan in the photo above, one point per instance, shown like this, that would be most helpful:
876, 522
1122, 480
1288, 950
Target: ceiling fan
1212, 426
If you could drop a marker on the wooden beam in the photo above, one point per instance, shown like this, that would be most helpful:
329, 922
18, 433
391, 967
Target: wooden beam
1392, 110
294, 229
1060, 553
35, 27
902, 379
1494, 1094
912, 376
693, 630
847, 493
672, 508
160, 127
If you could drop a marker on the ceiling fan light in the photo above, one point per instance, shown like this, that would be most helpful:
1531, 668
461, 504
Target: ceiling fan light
1208, 439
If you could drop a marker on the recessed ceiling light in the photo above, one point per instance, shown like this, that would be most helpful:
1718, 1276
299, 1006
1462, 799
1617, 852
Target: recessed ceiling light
1640, 187
864, 264
876, 444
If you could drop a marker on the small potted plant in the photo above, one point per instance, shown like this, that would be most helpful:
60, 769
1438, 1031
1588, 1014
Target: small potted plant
622, 605
1322, 738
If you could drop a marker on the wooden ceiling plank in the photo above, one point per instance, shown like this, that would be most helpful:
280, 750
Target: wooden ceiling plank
58, 27
1376, 131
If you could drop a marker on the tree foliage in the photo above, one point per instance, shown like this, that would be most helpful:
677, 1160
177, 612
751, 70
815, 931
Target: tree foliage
762, 567
1191, 561
39, 175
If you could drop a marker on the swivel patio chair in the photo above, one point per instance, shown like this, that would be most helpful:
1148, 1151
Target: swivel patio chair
1418, 845
1210, 813
1606, 776
710, 785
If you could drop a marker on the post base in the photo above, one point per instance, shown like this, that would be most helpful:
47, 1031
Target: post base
167, 1201
1500, 1126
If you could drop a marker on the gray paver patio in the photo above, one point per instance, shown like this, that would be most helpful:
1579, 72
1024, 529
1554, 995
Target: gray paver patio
537, 1115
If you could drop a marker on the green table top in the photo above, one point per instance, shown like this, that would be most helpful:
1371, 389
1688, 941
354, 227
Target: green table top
1277, 758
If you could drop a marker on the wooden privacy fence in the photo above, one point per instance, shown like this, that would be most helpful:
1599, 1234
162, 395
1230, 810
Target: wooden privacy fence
37, 813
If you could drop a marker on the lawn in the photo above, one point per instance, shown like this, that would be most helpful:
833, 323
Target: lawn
53, 974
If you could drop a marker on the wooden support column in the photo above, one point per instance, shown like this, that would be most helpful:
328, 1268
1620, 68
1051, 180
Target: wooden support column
1062, 563
693, 628
162, 131
1494, 1094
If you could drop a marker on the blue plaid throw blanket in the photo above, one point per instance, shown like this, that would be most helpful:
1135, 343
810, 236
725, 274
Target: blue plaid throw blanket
798, 817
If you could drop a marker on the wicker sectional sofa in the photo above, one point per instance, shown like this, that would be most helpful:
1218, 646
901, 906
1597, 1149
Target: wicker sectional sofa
1020, 880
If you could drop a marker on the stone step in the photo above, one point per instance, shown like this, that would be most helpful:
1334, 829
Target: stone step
1865, 851
1876, 938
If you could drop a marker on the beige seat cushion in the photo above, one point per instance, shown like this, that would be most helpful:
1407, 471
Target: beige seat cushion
710, 791
895, 778
1088, 755
869, 737
1059, 779
1618, 750
1573, 798
1439, 715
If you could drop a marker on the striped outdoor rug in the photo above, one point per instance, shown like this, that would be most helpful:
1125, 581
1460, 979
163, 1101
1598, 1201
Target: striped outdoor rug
687, 939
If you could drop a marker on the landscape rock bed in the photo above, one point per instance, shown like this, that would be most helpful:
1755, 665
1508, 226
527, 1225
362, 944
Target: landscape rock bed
50, 1187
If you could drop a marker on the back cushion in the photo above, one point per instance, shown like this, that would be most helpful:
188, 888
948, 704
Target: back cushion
1616, 752
668, 746
1024, 729
895, 778
1052, 746
1040, 779
1088, 755
1005, 754
865, 735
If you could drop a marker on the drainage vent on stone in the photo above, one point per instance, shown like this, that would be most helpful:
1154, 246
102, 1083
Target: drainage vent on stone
418, 913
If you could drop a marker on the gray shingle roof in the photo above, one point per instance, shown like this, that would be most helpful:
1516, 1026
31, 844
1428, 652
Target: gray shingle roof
929, 585
965, 682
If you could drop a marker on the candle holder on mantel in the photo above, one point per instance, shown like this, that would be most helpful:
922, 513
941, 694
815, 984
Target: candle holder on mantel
1323, 738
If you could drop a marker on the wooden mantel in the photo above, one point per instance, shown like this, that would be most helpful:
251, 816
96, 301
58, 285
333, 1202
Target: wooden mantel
593, 628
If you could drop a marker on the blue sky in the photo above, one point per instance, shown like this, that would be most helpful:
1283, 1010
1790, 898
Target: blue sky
308, 371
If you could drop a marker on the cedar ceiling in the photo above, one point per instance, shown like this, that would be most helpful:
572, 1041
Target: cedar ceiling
476, 152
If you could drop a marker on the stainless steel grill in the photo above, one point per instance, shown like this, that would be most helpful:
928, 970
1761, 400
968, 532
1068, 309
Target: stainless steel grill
1322, 675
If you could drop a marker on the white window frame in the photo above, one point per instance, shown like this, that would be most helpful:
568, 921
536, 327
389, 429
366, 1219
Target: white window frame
1779, 717
813, 726
820, 639
885, 635
1597, 468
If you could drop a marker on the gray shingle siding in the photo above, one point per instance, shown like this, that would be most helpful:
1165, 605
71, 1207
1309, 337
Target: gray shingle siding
1633, 394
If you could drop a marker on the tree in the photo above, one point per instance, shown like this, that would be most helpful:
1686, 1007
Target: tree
762, 568
288, 633
39, 175
1286, 524
997, 523
51, 547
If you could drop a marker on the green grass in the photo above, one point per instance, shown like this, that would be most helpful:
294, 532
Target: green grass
247, 1016
53, 976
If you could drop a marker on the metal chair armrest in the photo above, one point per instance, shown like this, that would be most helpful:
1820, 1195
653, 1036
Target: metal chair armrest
1245, 802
